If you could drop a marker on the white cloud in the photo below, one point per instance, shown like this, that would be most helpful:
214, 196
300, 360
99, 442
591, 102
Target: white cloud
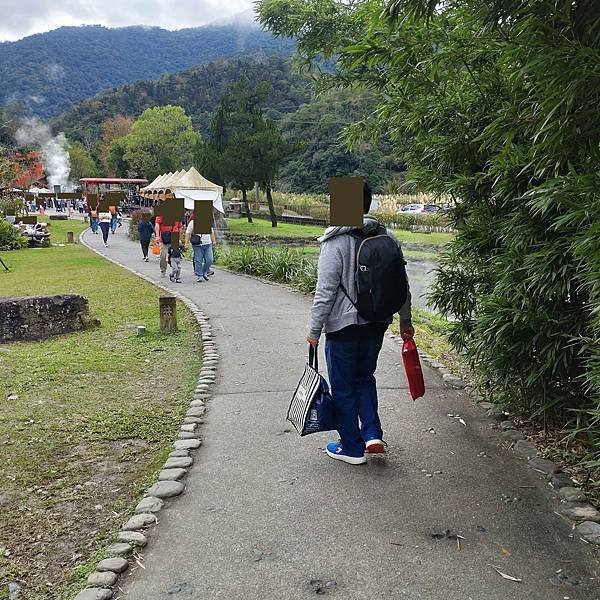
21, 18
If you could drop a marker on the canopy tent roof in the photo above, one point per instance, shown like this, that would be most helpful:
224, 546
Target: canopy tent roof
194, 181
171, 182
156, 183
181, 180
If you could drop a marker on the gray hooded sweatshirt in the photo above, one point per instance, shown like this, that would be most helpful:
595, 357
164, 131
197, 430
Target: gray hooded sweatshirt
331, 309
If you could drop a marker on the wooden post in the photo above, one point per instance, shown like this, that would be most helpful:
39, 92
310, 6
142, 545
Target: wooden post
168, 313
69, 237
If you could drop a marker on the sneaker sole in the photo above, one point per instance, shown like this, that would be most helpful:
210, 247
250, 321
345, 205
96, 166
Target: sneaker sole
351, 460
375, 448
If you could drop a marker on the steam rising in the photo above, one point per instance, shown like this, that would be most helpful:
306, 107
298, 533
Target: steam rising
53, 149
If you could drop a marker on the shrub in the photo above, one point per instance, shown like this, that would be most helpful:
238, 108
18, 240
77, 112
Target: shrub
288, 266
10, 236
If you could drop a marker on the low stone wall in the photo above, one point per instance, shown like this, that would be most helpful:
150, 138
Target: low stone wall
39, 317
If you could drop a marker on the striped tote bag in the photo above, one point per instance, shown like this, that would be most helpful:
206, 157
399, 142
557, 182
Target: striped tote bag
311, 407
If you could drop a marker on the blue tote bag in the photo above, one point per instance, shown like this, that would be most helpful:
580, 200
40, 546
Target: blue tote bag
311, 408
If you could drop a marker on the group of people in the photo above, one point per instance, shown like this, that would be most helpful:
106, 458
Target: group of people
173, 248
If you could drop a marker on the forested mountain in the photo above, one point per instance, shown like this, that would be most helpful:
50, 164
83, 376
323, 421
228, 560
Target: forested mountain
52, 71
197, 90
315, 131
312, 125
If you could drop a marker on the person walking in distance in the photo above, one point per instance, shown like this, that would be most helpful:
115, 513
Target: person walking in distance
361, 284
163, 233
145, 231
202, 248
104, 218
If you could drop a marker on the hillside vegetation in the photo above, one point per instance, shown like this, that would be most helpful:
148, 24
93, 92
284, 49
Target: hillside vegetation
197, 90
313, 126
52, 71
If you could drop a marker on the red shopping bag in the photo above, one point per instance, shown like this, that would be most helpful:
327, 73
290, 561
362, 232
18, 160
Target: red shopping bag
412, 366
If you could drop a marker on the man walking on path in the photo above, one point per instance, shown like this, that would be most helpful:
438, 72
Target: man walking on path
202, 247
145, 230
352, 341
163, 233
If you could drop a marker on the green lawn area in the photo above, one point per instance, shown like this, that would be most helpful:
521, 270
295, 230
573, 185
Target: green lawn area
94, 418
422, 239
262, 227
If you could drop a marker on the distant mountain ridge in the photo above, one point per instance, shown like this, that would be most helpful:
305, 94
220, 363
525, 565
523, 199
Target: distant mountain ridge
51, 72
197, 90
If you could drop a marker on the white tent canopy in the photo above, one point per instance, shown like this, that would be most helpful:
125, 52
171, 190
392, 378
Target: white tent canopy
189, 185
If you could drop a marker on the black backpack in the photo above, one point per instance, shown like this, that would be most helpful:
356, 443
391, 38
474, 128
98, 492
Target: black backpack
380, 278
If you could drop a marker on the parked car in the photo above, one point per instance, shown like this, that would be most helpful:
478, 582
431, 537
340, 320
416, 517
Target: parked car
417, 209
412, 209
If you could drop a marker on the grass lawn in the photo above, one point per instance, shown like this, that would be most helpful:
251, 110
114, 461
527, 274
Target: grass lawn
262, 227
94, 417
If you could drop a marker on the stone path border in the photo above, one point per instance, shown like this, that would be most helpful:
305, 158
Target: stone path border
584, 518
180, 459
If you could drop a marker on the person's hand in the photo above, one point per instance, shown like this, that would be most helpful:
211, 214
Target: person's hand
312, 341
407, 333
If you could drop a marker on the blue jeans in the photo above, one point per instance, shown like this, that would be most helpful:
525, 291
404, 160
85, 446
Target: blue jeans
203, 258
95, 223
351, 366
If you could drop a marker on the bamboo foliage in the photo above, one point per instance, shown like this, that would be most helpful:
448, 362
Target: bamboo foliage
495, 104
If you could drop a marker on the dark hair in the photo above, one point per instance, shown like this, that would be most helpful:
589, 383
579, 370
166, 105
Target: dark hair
367, 197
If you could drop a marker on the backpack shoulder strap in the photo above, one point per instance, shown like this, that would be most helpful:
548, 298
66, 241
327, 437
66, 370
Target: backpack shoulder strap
358, 235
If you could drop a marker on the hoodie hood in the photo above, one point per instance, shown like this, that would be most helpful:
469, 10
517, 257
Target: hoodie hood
370, 224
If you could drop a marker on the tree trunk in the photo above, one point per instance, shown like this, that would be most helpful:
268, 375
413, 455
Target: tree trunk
246, 205
271, 207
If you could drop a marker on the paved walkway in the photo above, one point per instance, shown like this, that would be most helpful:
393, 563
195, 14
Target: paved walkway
266, 515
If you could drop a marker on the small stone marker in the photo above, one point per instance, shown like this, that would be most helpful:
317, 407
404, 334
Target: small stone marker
69, 237
168, 313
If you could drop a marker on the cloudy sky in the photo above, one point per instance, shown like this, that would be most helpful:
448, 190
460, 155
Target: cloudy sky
25, 17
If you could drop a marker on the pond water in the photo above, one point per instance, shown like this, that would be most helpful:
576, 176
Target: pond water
420, 276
